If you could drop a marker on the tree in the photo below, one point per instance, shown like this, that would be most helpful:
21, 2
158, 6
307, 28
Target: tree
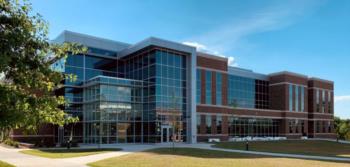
342, 128
176, 127
27, 79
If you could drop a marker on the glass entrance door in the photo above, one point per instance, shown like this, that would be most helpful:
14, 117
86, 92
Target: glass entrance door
166, 134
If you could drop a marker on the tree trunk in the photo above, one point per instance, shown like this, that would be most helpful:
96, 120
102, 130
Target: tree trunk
5, 133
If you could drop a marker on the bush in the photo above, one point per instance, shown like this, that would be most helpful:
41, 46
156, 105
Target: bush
44, 143
72, 144
11, 143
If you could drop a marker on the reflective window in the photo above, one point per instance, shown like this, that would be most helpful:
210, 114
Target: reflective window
132, 111
208, 91
243, 127
329, 102
218, 88
317, 100
75, 60
241, 92
290, 97
323, 101
100, 63
198, 124
261, 94
219, 124
101, 52
198, 86
208, 124
296, 98
78, 75
302, 101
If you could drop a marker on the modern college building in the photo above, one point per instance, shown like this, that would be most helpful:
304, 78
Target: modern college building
157, 91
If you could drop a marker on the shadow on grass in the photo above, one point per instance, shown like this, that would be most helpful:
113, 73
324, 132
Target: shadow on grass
308, 147
78, 150
215, 154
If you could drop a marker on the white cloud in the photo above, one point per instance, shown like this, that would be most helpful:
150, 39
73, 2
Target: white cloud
232, 62
226, 37
199, 46
342, 98
342, 106
202, 48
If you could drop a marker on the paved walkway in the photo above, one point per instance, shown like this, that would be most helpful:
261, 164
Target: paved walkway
208, 146
13, 156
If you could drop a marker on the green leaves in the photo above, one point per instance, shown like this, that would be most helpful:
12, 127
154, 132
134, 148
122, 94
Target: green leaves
27, 97
342, 128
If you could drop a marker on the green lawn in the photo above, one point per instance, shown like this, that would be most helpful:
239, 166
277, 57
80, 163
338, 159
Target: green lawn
191, 157
308, 147
4, 164
64, 153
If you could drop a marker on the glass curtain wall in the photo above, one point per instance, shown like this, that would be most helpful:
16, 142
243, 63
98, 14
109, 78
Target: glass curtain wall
241, 92
243, 127
163, 73
83, 67
170, 93
112, 111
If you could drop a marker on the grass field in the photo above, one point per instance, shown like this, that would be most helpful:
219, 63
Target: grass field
307, 147
4, 164
191, 157
64, 153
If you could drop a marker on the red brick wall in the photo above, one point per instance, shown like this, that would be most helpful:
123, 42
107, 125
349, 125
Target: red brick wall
212, 63
279, 97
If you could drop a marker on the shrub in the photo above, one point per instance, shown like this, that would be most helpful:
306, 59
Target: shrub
44, 143
11, 143
72, 144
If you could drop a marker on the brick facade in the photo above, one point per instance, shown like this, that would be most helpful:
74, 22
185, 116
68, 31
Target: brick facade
292, 124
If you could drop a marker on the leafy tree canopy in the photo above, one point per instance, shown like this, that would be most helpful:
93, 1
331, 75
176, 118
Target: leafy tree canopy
27, 80
342, 128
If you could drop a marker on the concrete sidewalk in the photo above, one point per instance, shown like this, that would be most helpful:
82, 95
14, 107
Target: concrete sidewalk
312, 157
13, 156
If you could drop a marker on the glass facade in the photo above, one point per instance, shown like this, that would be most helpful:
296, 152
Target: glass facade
323, 101
208, 124
84, 67
218, 89
296, 98
218, 124
143, 97
290, 97
113, 110
199, 120
208, 91
329, 102
127, 100
241, 92
261, 127
170, 92
261, 94
317, 100
302, 99
198, 86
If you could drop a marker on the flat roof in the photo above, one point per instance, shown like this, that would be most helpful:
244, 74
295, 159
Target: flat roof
90, 41
246, 73
288, 73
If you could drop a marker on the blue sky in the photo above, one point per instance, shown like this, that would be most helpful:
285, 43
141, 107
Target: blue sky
305, 36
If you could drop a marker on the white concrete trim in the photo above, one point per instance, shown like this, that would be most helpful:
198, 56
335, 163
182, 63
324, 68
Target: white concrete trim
210, 56
288, 73
211, 69
330, 90
287, 83
321, 80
